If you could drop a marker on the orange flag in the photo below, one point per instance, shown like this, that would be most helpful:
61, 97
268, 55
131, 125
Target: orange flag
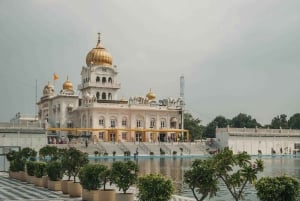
55, 77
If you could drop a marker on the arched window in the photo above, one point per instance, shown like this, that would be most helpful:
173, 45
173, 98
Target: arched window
152, 123
173, 122
103, 80
163, 123
97, 79
103, 96
109, 96
101, 121
98, 95
124, 122
139, 121
83, 121
109, 80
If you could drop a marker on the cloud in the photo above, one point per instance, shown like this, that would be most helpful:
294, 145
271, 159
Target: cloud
236, 56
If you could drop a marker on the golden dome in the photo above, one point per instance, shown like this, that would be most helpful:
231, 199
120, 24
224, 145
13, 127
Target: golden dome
68, 85
48, 89
99, 56
150, 95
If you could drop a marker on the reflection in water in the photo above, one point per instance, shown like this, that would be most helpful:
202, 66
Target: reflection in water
174, 168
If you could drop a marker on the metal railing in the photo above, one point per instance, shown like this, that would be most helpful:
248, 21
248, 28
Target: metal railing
185, 148
144, 147
123, 147
101, 148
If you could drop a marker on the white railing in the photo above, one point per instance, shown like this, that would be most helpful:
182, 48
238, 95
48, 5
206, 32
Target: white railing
256, 131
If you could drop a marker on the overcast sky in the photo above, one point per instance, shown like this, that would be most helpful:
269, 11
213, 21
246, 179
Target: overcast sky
236, 56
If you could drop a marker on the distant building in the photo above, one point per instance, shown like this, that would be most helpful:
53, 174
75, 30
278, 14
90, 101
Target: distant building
98, 113
258, 140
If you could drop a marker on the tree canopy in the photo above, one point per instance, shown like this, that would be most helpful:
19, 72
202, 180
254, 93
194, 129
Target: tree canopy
198, 131
202, 179
294, 121
282, 188
219, 121
244, 120
279, 121
235, 170
193, 125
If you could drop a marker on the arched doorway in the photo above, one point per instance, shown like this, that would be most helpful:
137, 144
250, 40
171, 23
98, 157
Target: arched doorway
162, 137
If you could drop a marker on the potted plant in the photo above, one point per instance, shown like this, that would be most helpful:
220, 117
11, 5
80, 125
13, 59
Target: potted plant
11, 156
66, 169
89, 176
72, 160
30, 171
127, 153
154, 186
55, 174
39, 172
20, 158
13, 171
106, 194
181, 150
124, 175
28, 154
49, 153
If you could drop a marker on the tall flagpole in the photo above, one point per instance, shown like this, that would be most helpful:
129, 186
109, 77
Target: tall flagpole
35, 115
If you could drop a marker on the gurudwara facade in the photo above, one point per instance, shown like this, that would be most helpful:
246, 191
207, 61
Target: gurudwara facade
98, 113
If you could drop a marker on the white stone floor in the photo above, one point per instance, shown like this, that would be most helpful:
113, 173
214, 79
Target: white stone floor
11, 189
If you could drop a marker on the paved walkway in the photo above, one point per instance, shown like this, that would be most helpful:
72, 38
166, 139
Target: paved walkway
11, 189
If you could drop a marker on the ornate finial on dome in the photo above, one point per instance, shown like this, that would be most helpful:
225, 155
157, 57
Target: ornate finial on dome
48, 90
98, 43
150, 95
67, 85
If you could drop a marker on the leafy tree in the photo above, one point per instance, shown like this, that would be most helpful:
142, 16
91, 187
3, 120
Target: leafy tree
219, 121
49, 152
154, 187
202, 179
11, 155
89, 176
54, 170
244, 120
124, 174
281, 188
193, 125
28, 153
294, 121
72, 160
279, 122
105, 176
236, 171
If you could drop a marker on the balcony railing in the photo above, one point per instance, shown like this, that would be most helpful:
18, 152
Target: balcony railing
100, 84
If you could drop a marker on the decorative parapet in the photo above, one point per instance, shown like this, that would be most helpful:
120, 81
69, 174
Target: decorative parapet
259, 132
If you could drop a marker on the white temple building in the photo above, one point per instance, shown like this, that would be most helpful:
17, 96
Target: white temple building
256, 141
97, 111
